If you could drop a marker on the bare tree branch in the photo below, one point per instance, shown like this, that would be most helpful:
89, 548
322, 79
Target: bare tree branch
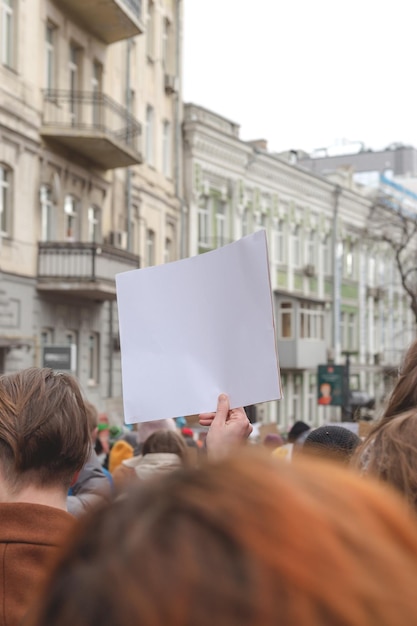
396, 226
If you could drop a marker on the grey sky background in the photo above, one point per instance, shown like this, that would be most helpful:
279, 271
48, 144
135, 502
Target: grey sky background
305, 74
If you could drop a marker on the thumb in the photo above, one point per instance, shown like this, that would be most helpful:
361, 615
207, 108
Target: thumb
222, 410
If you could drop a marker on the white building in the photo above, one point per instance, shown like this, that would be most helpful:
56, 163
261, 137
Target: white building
333, 291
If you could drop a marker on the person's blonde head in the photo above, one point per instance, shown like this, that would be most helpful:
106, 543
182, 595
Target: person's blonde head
391, 455
249, 541
404, 394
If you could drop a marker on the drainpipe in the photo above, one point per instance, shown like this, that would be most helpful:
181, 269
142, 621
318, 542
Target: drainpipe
178, 129
128, 190
336, 276
111, 348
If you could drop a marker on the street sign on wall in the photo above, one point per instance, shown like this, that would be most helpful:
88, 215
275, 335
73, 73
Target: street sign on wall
330, 384
61, 358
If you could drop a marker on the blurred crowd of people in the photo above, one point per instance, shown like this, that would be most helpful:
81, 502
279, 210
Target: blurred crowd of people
170, 523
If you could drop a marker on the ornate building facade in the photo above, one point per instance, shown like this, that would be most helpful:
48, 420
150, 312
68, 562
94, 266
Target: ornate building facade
90, 119
336, 292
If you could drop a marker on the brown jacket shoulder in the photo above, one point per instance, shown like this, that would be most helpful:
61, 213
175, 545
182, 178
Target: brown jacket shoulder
31, 536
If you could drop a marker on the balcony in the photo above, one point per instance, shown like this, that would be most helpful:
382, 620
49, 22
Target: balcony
109, 20
82, 270
301, 353
93, 125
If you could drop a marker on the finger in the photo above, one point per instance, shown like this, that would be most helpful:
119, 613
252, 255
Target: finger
223, 408
206, 416
205, 422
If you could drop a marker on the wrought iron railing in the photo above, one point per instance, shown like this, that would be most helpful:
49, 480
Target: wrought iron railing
91, 111
77, 261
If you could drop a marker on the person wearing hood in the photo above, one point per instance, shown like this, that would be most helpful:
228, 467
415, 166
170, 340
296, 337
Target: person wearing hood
162, 452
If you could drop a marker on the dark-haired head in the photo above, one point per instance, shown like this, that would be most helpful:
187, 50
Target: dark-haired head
166, 441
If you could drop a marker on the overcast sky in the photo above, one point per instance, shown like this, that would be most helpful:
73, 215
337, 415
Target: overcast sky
304, 74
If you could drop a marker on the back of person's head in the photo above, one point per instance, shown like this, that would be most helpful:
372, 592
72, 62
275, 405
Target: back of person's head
166, 441
332, 442
404, 395
247, 541
297, 430
92, 417
44, 434
392, 454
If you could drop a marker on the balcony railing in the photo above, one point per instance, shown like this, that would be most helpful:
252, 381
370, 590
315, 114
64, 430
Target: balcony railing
84, 270
92, 124
110, 21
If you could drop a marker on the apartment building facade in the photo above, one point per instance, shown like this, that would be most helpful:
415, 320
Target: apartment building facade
335, 292
90, 112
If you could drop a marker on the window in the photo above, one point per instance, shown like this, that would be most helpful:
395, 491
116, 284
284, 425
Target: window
93, 358
150, 28
149, 135
97, 88
71, 339
311, 322
150, 247
50, 60
168, 250
279, 241
312, 398
46, 213
296, 397
47, 336
7, 39
203, 222
71, 218
221, 222
285, 323
371, 269
245, 222
348, 331
74, 81
166, 41
349, 259
311, 248
351, 331
296, 247
166, 149
94, 226
5, 199
326, 250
